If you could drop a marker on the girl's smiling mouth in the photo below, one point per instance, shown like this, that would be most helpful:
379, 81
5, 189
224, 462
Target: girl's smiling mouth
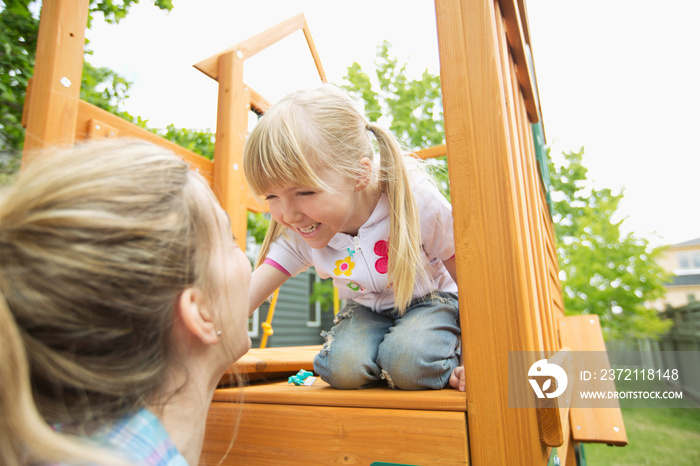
309, 229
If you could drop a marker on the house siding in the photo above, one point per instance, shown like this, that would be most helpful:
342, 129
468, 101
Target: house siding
291, 316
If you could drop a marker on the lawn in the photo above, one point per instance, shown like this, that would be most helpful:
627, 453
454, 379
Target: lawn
657, 436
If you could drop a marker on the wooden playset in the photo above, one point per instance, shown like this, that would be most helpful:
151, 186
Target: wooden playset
510, 297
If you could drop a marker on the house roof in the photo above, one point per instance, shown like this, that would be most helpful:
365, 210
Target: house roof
691, 242
684, 280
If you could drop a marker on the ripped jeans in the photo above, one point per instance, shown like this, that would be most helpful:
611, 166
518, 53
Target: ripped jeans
415, 352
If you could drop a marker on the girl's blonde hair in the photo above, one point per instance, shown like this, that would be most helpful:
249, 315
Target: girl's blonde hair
96, 245
315, 131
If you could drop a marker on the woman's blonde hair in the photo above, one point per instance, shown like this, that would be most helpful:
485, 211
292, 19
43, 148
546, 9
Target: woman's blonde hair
96, 245
315, 131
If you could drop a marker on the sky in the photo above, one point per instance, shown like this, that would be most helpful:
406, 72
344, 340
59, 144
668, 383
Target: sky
616, 77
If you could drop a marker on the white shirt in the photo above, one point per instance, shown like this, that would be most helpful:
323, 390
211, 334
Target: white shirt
358, 264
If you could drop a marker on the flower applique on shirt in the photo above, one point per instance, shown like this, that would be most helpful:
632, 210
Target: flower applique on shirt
381, 248
354, 286
344, 266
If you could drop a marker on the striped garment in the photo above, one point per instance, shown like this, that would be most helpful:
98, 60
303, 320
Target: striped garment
142, 439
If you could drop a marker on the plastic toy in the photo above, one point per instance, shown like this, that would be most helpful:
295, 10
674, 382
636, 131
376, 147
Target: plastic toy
300, 377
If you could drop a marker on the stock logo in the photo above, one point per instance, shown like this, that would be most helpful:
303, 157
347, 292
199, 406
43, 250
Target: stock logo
542, 368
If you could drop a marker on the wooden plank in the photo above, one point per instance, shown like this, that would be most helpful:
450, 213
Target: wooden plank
258, 103
88, 114
553, 413
538, 228
58, 68
521, 203
283, 435
490, 267
595, 425
255, 44
515, 32
274, 360
322, 394
97, 129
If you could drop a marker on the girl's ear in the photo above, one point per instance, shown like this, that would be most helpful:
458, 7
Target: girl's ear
195, 320
365, 174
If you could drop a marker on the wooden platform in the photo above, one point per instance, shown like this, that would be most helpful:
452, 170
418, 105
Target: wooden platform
281, 423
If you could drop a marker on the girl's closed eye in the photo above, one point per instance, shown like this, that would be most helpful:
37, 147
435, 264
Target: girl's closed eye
306, 193
270, 196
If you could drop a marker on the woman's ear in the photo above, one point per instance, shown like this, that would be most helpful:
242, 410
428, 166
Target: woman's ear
195, 320
365, 174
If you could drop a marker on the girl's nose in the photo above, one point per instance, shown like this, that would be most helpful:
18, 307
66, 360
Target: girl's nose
290, 214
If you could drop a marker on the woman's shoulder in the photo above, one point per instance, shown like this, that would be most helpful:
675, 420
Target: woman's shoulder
143, 438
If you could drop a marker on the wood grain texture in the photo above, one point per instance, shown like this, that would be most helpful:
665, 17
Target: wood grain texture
321, 394
497, 304
51, 111
595, 425
272, 434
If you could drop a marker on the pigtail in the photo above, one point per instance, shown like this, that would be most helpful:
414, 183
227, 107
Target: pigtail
404, 225
25, 437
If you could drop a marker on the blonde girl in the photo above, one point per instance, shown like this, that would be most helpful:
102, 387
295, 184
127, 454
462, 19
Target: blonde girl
119, 284
375, 223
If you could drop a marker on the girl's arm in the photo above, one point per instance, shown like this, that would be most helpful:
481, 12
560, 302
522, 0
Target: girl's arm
451, 267
264, 281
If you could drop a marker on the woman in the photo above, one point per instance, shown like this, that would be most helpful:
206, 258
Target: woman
122, 302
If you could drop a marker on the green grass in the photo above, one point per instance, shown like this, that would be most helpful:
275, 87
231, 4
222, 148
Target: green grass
668, 435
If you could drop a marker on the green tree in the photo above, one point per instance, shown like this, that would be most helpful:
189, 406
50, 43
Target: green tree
413, 108
101, 86
19, 28
603, 272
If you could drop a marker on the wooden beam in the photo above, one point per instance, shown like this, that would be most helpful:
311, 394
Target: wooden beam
432, 152
255, 44
231, 129
258, 103
53, 106
89, 114
490, 265
519, 44
553, 413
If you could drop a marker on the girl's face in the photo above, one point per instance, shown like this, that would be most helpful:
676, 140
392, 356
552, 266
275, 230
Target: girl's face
317, 215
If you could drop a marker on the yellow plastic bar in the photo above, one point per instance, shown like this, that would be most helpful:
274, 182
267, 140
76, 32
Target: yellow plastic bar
336, 301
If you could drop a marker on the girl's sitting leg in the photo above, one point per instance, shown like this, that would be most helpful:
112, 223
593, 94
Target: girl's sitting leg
348, 358
422, 348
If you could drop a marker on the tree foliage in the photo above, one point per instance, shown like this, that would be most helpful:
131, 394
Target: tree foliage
19, 29
603, 272
100, 86
413, 108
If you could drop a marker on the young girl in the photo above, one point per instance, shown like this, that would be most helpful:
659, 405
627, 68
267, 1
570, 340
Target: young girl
122, 302
380, 229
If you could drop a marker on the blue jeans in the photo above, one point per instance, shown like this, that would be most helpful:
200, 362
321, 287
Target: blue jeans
415, 352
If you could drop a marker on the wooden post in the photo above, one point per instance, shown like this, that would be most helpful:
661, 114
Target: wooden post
234, 104
53, 105
495, 299
231, 129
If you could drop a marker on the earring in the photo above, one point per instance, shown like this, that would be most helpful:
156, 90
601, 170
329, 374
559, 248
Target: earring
218, 333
